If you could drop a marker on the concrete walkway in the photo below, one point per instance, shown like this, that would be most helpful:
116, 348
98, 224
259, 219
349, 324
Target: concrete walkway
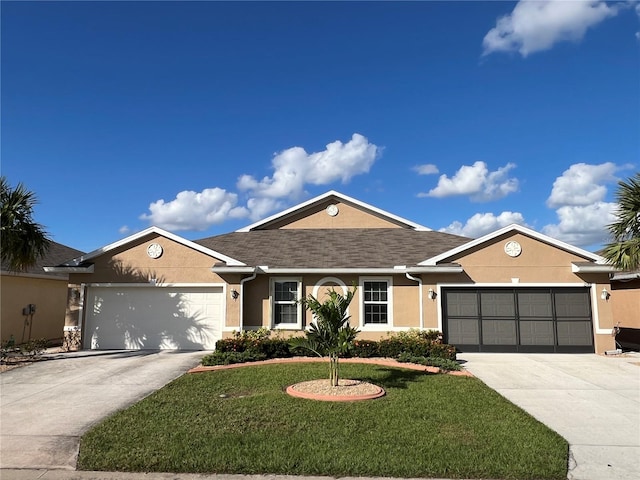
592, 401
46, 406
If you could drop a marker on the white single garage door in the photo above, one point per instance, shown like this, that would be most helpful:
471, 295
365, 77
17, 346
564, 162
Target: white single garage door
136, 318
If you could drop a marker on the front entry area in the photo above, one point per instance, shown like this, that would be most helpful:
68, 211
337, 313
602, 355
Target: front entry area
518, 319
159, 317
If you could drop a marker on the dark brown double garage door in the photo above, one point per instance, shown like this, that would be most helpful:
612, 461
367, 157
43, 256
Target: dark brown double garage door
544, 320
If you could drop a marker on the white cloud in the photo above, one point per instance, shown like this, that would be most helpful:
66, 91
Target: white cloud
482, 223
537, 25
583, 225
426, 169
477, 182
124, 230
578, 196
195, 211
582, 185
295, 168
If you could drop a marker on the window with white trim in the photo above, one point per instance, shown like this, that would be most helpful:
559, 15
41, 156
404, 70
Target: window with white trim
376, 302
286, 312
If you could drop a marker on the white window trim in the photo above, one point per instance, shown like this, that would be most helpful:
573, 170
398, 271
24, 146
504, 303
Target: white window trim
379, 327
285, 326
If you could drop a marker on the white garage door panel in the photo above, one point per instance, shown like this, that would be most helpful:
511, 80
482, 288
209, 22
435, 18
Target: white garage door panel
153, 318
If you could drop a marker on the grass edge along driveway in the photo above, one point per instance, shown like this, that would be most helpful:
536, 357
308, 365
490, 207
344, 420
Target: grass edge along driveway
241, 421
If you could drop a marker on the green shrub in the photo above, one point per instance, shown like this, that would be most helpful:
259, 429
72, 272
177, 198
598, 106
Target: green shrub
228, 358
443, 350
6, 348
274, 348
231, 345
416, 343
365, 349
442, 363
34, 347
257, 342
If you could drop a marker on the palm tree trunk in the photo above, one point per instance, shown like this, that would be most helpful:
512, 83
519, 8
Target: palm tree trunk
333, 369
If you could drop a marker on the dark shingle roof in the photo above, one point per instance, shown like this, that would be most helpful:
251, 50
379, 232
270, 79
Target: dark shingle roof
56, 255
333, 248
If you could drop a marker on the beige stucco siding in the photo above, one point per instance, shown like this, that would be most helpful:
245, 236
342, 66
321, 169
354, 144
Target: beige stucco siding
347, 217
178, 264
130, 263
538, 263
49, 296
625, 303
405, 295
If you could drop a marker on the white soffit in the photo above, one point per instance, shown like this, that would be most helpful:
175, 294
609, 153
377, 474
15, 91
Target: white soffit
520, 229
176, 238
340, 196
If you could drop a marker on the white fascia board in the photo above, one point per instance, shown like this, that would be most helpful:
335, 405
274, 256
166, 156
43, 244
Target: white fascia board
520, 229
436, 269
345, 198
42, 276
360, 271
592, 268
158, 231
228, 269
625, 277
70, 269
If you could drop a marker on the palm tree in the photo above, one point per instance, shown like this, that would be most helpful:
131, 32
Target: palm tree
22, 241
330, 335
624, 251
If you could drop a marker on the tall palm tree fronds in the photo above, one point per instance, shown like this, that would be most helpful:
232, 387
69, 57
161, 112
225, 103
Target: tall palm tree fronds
330, 335
624, 251
22, 240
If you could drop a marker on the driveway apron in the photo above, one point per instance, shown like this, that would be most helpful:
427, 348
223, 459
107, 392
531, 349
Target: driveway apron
592, 401
46, 406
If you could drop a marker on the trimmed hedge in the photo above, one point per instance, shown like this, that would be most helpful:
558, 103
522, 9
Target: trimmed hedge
247, 346
441, 363
227, 358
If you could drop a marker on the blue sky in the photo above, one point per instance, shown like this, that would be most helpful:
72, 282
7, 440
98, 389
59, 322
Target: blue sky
203, 117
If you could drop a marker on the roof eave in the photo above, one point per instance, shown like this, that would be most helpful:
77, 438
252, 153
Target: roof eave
450, 268
233, 269
69, 269
624, 276
520, 229
591, 268
263, 269
176, 238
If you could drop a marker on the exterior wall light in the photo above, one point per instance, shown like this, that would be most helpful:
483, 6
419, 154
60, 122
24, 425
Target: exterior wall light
234, 294
432, 294
605, 294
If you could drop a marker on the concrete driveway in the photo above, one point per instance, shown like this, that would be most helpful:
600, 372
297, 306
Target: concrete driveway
48, 405
591, 400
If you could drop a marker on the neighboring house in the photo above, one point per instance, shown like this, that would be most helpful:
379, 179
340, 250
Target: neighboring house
34, 301
514, 290
625, 291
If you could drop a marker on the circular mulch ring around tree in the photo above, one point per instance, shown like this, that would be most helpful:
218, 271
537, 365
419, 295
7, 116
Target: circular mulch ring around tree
346, 391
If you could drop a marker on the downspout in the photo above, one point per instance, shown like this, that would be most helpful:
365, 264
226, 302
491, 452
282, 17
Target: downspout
242, 282
419, 280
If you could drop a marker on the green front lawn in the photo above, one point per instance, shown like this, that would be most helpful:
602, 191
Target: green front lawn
242, 421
